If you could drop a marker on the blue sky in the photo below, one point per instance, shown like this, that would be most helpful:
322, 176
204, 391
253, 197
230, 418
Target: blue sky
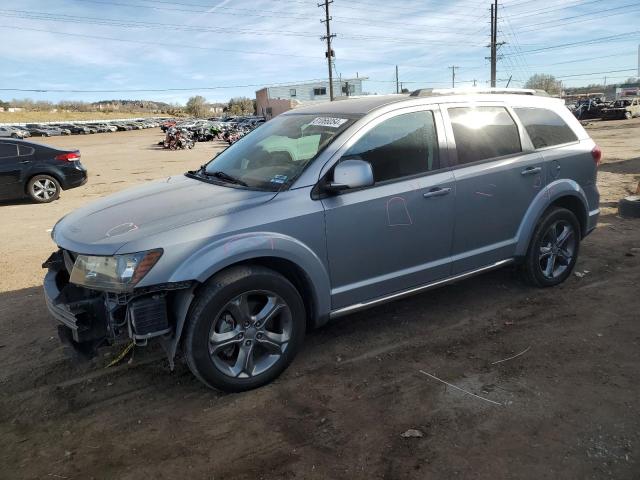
241, 44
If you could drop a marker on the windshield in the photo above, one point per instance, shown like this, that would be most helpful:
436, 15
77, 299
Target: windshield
276, 153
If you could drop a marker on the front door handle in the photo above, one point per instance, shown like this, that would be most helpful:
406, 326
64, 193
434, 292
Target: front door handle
24, 161
437, 192
531, 170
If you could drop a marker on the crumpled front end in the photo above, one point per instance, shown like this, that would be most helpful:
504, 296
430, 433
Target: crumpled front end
89, 318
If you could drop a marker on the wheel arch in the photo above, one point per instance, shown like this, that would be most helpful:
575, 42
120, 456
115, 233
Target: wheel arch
287, 255
288, 269
563, 193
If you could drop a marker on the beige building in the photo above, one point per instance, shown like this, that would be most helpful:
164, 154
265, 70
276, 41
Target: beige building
272, 101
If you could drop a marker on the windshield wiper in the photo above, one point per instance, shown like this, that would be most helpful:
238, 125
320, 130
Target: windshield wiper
225, 176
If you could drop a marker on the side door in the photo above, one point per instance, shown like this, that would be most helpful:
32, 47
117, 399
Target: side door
497, 177
397, 233
10, 170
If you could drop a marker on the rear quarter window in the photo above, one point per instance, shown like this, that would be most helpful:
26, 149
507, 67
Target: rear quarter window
8, 150
23, 150
545, 127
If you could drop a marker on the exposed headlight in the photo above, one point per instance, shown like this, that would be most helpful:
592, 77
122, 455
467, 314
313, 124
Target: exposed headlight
118, 273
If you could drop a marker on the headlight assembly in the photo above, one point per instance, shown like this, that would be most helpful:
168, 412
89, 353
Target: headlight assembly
118, 273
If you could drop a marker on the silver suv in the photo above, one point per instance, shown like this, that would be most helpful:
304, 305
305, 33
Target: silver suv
323, 211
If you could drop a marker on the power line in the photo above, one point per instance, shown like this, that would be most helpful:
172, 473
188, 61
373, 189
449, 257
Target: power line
138, 90
137, 24
598, 73
584, 42
534, 27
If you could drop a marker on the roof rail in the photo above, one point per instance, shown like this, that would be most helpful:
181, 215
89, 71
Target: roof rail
433, 92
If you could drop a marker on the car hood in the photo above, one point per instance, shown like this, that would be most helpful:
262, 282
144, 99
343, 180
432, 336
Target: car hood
105, 226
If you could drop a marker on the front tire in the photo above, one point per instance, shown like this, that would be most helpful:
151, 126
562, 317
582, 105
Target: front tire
553, 250
244, 328
628, 115
43, 189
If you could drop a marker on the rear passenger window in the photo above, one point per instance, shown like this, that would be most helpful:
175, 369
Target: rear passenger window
483, 132
8, 150
23, 150
402, 146
545, 128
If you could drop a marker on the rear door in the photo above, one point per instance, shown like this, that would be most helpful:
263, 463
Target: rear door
10, 170
497, 176
397, 233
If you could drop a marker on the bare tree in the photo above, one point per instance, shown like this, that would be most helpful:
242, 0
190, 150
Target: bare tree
197, 106
546, 82
241, 106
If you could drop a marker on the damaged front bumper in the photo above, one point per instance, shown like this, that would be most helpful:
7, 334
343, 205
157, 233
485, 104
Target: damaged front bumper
91, 318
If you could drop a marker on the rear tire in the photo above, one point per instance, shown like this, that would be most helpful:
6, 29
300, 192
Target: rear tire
244, 328
628, 115
553, 249
43, 189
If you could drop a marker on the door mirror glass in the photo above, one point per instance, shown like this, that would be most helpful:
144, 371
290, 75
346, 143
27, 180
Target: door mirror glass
352, 173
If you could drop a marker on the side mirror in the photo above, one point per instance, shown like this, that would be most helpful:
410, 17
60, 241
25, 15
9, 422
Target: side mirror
351, 174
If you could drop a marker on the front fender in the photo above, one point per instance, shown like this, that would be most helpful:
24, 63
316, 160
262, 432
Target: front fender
212, 258
552, 192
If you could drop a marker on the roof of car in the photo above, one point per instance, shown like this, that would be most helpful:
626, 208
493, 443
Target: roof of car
365, 104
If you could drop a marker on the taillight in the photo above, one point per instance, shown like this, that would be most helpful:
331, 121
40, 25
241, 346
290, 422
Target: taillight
69, 156
596, 153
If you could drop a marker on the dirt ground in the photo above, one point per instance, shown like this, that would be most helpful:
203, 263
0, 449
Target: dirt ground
568, 406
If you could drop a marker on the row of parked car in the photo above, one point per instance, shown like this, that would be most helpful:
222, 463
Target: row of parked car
196, 124
54, 129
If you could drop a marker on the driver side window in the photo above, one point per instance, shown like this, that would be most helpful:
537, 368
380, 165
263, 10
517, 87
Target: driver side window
402, 146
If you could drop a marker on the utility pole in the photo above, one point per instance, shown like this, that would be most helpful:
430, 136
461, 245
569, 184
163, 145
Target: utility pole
494, 35
329, 53
397, 82
453, 75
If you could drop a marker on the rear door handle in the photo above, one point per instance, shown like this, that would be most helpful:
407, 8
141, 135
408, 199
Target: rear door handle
531, 170
437, 192
24, 161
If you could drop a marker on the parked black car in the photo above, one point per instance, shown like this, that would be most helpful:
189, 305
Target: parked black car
75, 129
38, 130
38, 171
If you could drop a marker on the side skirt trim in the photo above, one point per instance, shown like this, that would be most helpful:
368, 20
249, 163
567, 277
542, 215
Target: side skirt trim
405, 293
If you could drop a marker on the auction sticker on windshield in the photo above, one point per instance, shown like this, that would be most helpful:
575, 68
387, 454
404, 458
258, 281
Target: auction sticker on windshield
328, 122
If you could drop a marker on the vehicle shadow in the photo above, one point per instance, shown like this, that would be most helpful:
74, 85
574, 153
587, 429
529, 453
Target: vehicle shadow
18, 201
630, 166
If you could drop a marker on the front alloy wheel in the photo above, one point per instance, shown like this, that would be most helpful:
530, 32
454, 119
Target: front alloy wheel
250, 334
244, 328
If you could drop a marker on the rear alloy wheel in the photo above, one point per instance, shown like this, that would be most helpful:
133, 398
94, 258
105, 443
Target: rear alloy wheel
43, 189
553, 250
244, 328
